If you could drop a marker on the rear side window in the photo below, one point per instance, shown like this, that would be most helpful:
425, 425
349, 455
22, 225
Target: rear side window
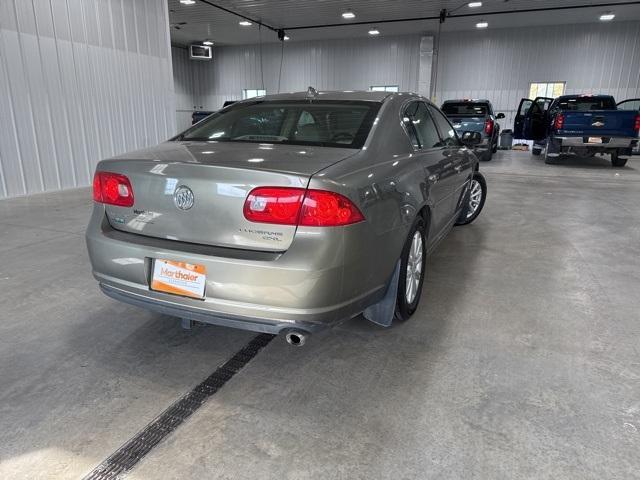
447, 132
419, 121
584, 104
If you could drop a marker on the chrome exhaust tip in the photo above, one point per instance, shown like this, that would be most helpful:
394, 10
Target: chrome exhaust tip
297, 339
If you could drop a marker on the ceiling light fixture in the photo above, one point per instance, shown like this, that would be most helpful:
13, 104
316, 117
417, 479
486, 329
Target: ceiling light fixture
245, 23
475, 4
482, 25
286, 37
374, 31
607, 17
187, 2
207, 42
348, 15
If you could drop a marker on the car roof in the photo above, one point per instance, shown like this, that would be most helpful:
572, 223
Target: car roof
345, 95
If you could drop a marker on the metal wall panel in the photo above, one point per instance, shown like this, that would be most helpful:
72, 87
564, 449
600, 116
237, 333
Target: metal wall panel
500, 64
326, 65
80, 80
496, 64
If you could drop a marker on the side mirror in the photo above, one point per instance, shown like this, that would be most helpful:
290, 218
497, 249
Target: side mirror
471, 139
499, 116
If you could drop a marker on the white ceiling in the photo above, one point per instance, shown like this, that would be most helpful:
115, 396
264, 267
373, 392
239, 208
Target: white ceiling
207, 22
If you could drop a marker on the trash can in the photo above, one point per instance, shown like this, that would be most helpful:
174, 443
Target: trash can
506, 140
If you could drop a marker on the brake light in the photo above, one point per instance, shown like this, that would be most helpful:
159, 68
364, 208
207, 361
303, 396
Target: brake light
112, 189
637, 127
295, 206
558, 123
488, 126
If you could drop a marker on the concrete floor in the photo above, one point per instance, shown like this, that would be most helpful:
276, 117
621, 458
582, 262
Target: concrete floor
523, 360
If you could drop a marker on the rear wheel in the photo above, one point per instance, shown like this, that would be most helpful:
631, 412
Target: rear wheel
412, 266
475, 199
616, 161
536, 150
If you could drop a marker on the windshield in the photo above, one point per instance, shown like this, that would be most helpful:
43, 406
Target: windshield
465, 108
584, 104
322, 123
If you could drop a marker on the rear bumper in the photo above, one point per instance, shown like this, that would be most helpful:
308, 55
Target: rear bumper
610, 142
309, 287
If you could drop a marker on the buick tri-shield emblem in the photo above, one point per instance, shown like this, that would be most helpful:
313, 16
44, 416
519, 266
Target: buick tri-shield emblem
183, 197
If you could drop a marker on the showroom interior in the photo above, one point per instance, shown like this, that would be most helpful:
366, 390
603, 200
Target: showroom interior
522, 359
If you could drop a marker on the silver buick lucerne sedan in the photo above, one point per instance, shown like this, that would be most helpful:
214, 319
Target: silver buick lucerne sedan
286, 213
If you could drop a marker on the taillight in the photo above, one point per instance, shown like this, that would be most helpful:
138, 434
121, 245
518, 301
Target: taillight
488, 126
274, 205
558, 123
328, 209
295, 206
112, 189
637, 127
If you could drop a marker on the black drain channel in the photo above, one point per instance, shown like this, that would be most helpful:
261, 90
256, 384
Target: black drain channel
128, 455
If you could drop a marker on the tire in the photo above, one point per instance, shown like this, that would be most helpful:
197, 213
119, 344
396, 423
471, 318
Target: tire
536, 150
473, 205
412, 267
616, 161
495, 147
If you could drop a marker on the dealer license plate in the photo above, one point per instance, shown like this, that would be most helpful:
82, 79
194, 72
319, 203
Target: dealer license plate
594, 140
179, 278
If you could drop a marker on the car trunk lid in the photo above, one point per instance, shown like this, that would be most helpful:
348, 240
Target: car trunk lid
214, 180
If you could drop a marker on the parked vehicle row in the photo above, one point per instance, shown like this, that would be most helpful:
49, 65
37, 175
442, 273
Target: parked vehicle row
286, 213
585, 125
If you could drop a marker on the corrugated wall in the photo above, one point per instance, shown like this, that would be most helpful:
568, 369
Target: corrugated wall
500, 64
495, 64
80, 80
325, 65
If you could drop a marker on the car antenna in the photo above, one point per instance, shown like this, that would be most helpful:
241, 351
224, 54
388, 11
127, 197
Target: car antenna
312, 93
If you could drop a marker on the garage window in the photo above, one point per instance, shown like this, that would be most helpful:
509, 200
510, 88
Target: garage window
384, 88
253, 92
546, 89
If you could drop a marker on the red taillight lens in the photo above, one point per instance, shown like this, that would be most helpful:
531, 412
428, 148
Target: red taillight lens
112, 189
558, 123
637, 127
295, 206
488, 126
328, 209
274, 205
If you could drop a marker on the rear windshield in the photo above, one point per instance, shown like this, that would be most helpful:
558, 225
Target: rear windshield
465, 108
321, 123
584, 104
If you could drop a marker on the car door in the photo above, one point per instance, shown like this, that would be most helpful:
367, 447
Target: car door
437, 169
453, 151
532, 118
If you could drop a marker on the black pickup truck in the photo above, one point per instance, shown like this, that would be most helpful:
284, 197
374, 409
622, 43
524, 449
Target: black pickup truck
580, 124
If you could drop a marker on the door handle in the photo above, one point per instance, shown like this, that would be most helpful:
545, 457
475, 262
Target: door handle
434, 177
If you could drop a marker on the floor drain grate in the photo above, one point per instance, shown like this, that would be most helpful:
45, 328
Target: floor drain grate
129, 454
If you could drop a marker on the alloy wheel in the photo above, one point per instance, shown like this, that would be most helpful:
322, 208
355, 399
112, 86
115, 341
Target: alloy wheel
414, 267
